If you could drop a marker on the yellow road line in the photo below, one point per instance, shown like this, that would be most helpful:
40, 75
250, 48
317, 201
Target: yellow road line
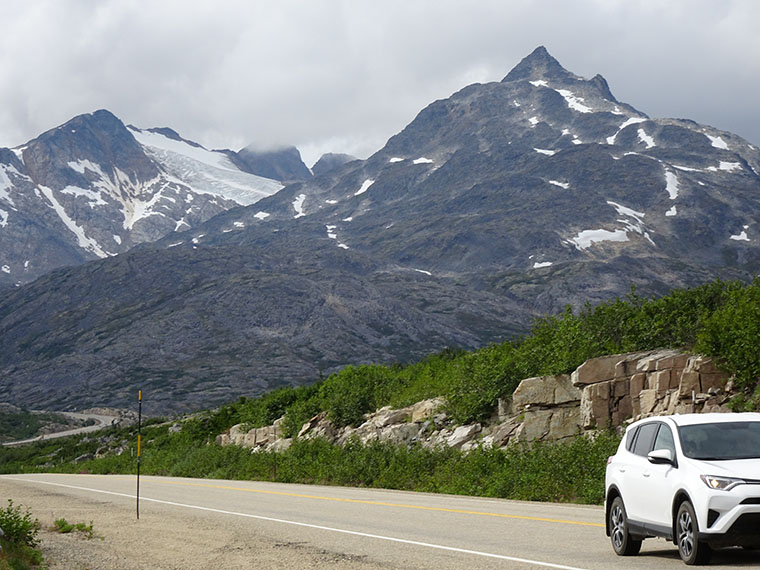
380, 503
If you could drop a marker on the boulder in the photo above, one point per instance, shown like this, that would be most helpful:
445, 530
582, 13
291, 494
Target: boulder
400, 433
281, 444
595, 405
596, 370
506, 431
425, 409
387, 416
545, 391
463, 434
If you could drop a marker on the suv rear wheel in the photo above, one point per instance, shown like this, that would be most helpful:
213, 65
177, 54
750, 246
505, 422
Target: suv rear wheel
622, 542
692, 551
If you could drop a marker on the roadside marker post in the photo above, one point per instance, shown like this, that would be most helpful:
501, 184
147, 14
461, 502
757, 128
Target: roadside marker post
139, 436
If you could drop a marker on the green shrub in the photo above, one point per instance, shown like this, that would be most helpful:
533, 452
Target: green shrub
730, 334
64, 527
19, 527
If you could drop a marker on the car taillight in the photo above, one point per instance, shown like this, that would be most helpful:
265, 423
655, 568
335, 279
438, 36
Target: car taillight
609, 459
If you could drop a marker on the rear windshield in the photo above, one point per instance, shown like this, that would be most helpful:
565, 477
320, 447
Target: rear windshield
721, 441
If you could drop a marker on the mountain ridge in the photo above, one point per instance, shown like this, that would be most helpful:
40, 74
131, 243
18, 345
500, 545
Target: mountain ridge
506, 201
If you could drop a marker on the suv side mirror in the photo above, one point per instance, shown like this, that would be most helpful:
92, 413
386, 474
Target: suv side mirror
661, 456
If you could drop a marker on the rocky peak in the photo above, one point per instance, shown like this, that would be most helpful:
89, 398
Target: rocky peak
282, 164
99, 138
170, 134
538, 65
331, 161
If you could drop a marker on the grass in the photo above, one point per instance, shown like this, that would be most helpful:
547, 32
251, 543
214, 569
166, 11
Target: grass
64, 527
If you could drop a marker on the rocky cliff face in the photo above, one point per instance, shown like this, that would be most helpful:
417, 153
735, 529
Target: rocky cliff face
604, 392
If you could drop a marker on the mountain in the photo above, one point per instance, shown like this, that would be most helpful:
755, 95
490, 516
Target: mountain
280, 164
503, 202
93, 188
330, 161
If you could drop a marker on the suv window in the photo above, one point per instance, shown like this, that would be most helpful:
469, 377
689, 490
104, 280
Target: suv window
721, 441
630, 438
644, 437
664, 439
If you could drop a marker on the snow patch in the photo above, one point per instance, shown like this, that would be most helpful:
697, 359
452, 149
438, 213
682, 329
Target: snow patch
564, 185
367, 183
342, 245
515, 103
331, 202
533, 121
544, 151
117, 239
93, 198
80, 166
539, 83
19, 152
575, 103
587, 238
3, 218
259, 216
6, 269
5, 182
348, 219
717, 142
331, 232
84, 242
623, 211
540, 264
298, 205
686, 168
646, 139
242, 225
396, 159
423, 160
726, 167
742, 236
424, 272
671, 184
671, 212
631, 121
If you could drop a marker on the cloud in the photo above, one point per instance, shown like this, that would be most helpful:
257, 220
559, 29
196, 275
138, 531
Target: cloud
344, 76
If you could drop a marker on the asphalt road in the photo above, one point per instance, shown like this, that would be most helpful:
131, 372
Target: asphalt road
390, 528
100, 422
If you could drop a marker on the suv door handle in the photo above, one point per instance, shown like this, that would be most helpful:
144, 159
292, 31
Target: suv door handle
646, 474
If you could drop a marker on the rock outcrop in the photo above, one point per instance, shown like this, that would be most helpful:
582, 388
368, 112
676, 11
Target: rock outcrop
602, 393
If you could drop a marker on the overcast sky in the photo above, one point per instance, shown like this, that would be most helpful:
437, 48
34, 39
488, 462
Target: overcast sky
344, 76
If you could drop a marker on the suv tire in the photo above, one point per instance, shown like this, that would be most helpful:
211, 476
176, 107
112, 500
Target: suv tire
622, 542
692, 551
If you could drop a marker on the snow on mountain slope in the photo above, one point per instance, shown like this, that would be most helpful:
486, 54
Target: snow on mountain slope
93, 188
205, 171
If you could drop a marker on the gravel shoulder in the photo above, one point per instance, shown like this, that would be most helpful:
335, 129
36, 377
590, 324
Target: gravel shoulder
163, 538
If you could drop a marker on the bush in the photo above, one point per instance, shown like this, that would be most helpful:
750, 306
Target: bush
19, 527
730, 334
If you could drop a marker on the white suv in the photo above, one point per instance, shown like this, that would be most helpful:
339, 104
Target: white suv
693, 479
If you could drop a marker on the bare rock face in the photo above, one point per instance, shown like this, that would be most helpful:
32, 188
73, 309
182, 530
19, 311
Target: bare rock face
646, 384
603, 392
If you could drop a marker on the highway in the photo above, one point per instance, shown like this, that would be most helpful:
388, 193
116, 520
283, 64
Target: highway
391, 529
101, 422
